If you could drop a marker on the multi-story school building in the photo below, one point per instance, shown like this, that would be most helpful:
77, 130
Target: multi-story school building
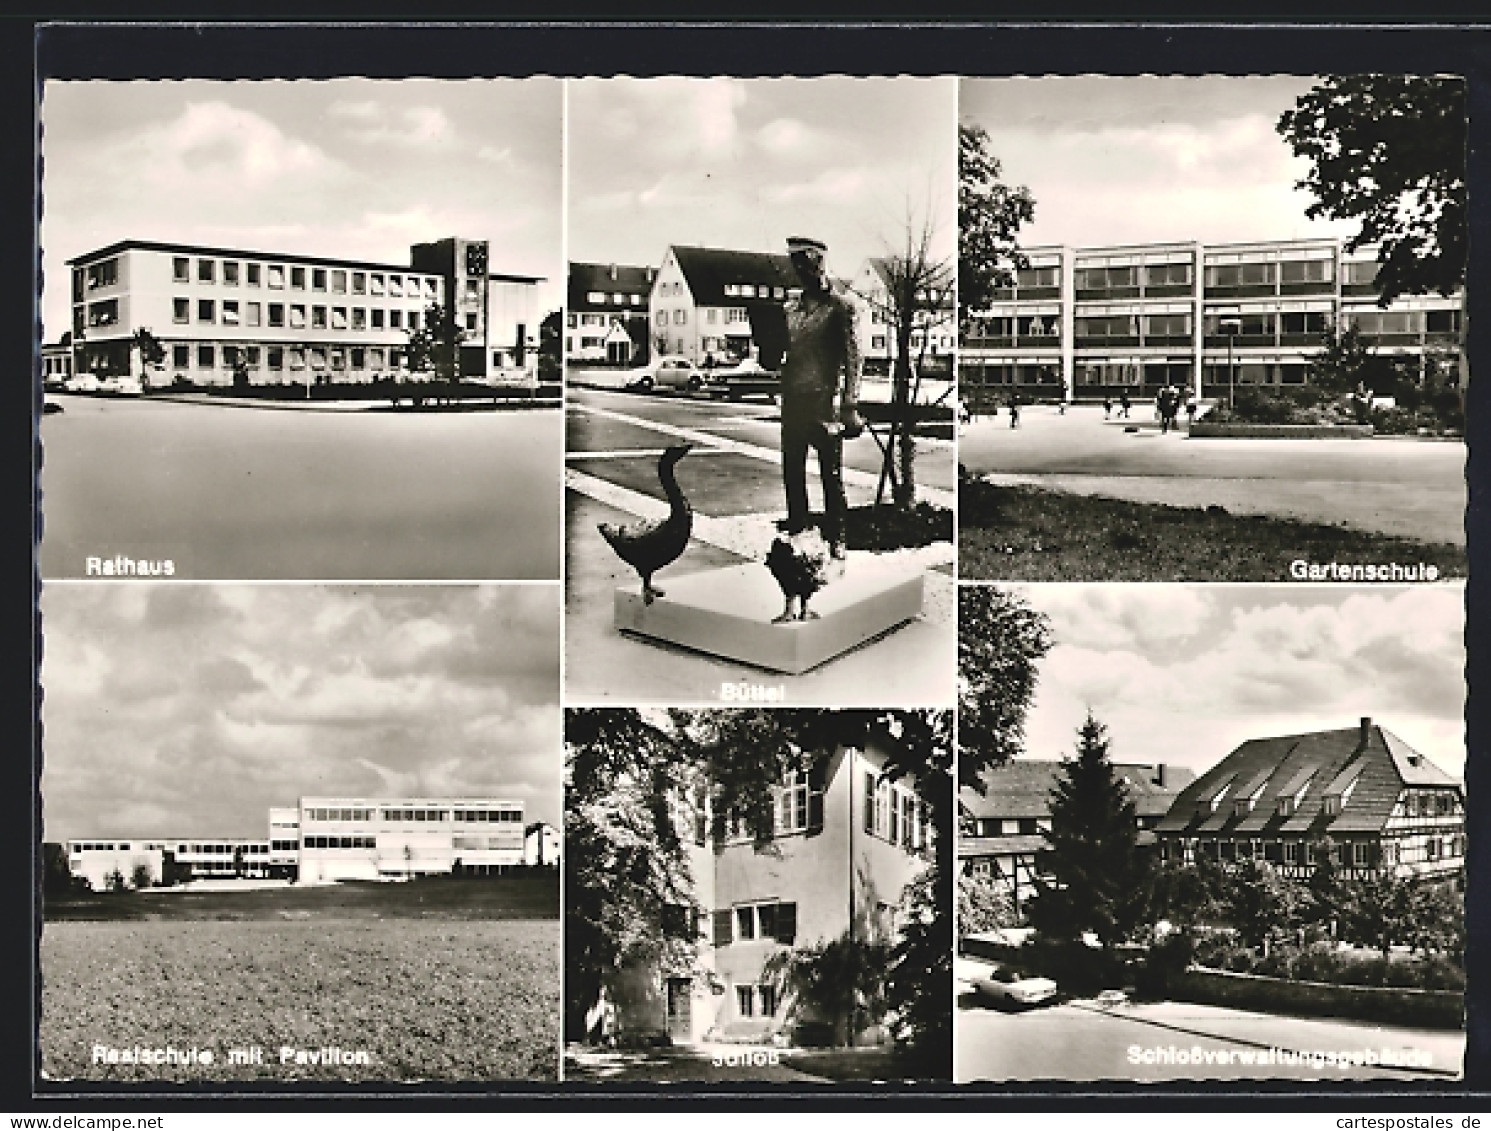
1082, 322
327, 839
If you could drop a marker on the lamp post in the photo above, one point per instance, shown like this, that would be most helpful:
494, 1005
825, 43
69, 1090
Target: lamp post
1231, 326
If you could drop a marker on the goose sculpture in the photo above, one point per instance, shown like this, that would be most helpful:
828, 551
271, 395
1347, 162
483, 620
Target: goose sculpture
648, 545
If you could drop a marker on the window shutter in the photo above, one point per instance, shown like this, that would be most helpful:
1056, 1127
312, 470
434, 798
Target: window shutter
722, 928
816, 785
786, 926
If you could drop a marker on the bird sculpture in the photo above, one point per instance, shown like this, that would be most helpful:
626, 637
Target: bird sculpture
802, 563
648, 545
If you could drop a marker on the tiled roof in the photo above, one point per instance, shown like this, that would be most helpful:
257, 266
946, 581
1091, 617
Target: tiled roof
709, 269
1022, 788
610, 278
1026, 845
1324, 762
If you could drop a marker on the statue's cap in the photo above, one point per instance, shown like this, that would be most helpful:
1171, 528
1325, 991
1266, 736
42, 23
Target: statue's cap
804, 243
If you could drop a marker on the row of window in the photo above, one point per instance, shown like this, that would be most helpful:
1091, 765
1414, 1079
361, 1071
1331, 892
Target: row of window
598, 298
505, 816
341, 842
278, 315
331, 280
1430, 803
288, 357
220, 849
754, 921
1358, 854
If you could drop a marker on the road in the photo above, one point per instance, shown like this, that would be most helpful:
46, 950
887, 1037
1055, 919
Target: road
230, 492
732, 479
1081, 1040
1392, 485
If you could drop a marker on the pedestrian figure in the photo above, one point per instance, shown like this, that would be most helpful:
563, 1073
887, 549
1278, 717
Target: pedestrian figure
1014, 409
1190, 411
1107, 405
1169, 405
1123, 404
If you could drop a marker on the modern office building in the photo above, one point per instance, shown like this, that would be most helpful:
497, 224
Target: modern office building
1381, 806
607, 314
846, 843
1002, 830
327, 839
1080, 322
282, 318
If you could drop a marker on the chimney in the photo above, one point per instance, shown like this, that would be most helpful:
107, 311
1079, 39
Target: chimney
1366, 729
613, 272
1159, 775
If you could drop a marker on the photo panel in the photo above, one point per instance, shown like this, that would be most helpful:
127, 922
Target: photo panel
760, 474
302, 330
1190, 350
757, 895
300, 835
1211, 833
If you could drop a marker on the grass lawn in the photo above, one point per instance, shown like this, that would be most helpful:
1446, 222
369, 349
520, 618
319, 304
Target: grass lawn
1032, 534
530, 894
422, 1000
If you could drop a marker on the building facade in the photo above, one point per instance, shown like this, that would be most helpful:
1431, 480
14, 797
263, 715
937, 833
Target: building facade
607, 314
279, 318
701, 299
541, 845
326, 839
1080, 322
934, 336
846, 843
1002, 830
1361, 793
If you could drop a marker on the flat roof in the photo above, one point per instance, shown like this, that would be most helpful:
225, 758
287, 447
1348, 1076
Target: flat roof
242, 253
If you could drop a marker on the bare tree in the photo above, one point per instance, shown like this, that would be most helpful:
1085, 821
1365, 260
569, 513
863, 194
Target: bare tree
914, 297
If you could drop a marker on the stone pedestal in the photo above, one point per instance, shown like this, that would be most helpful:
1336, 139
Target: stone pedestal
728, 613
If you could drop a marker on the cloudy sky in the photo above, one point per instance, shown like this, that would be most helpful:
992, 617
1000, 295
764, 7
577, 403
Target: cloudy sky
349, 168
1112, 160
177, 709
745, 163
1185, 673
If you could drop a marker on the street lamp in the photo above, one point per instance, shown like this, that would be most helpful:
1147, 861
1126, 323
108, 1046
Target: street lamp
1232, 327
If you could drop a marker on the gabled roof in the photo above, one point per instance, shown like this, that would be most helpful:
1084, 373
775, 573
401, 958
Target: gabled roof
610, 278
1022, 788
709, 269
1324, 762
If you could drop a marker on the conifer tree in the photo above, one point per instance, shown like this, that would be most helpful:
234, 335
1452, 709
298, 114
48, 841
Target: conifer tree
1097, 877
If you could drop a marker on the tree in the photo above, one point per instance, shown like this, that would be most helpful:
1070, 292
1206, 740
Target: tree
1389, 151
990, 214
550, 347
151, 352
1378, 911
436, 345
914, 296
115, 881
984, 903
141, 877
1261, 904
842, 980
1187, 894
1001, 639
1098, 877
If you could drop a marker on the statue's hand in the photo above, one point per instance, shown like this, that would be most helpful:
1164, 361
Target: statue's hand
852, 423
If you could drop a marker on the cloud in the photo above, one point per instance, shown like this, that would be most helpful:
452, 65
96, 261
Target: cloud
207, 704
1185, 673
417, 127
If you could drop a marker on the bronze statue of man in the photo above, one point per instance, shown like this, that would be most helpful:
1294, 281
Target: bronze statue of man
819, 384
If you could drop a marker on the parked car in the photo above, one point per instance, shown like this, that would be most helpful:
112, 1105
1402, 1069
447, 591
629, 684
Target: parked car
83, 383
124, 385
598, 378
1009, 986
744, 378
667, 372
